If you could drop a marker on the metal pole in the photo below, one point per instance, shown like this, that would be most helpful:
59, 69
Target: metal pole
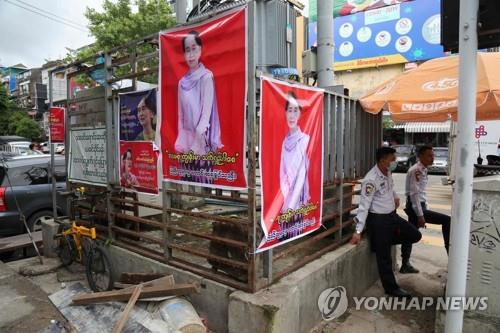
252, 143
325, 44
462, 193
111, 147
180, 11
52, 158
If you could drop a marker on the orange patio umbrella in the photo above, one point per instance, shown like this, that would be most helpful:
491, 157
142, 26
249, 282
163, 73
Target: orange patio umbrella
430, 91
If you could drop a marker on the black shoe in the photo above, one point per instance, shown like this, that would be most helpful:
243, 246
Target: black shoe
399, 293
407, 268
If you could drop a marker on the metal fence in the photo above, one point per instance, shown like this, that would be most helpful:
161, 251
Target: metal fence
213, 232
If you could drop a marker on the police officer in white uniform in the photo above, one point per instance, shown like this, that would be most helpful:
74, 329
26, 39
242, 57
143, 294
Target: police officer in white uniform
416, 205
377, 207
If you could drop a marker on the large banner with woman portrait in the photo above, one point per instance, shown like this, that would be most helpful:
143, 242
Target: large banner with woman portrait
203, 96
291, 161
138, 141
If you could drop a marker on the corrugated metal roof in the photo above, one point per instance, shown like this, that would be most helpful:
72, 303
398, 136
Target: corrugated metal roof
412, 127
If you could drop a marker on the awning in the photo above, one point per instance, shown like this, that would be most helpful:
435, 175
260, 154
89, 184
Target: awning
443, 127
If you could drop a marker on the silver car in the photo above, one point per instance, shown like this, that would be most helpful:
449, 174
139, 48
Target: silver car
440, 164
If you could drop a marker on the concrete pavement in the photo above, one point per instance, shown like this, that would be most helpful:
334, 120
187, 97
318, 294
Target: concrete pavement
25, 306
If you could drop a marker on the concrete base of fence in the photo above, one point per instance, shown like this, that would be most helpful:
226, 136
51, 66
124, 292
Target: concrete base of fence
49, 230
212, 302
287, 306
291, 305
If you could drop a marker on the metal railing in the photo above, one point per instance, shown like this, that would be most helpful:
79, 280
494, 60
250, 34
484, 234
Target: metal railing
217, 238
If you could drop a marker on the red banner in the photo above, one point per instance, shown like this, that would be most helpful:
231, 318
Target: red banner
138, 166
56, 124
291, 161
202, 98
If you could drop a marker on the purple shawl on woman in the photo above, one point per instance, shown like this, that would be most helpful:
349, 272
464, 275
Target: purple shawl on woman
199, 126
293, 170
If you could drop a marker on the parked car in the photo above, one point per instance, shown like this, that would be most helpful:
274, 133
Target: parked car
58, 147
14, 144
405, 156
440, 164
26, 178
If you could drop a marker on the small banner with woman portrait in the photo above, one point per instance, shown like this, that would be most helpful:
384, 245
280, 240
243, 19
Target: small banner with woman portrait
138, 116
203, 100
138, 139
291, 161
138, 166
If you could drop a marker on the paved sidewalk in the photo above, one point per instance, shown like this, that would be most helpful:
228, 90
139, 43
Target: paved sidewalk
25, 306
432, 262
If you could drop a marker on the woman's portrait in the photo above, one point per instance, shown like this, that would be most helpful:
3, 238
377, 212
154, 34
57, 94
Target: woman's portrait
198, 118
294, 162
127, 178
146, 114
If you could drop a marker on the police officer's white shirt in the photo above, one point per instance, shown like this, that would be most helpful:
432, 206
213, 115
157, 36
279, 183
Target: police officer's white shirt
416, 182
377, 196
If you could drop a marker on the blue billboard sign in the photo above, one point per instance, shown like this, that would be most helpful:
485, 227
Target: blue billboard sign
405, 32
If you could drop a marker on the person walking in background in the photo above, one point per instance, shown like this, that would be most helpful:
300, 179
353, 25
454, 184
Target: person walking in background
416, 205
377, 209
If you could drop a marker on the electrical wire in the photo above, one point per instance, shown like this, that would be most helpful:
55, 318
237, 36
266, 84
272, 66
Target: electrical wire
52, 14
46, 16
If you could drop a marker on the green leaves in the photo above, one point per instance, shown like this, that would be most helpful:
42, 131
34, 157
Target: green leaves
121, 22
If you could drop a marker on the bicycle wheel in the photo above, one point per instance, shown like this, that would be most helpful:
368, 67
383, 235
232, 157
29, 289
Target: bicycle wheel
98, 269
66, 250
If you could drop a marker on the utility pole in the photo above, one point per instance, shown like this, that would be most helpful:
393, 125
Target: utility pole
180, 11
462, 192
325, 43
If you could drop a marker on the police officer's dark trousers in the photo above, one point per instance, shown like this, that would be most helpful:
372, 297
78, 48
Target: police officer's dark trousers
430, 217
385, 231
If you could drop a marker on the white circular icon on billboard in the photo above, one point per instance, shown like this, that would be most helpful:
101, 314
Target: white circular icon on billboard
346, 49
403, 44
383, 38
403, 26
364, 34
431, 29
346, 30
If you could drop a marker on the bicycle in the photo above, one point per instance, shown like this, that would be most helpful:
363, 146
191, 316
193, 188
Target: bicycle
79, 243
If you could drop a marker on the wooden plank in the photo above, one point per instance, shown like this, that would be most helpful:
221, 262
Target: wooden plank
123, 319
96, 317
134, 278
19, 241
125, 294
119, 285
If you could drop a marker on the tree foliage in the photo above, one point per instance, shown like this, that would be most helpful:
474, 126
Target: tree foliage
6, 107
28, 128
120, 22
19, 123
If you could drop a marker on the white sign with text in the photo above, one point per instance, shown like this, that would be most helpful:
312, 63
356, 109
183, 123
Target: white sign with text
87, 156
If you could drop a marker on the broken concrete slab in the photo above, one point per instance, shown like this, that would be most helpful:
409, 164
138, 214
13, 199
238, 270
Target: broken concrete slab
103, 317
32, 266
